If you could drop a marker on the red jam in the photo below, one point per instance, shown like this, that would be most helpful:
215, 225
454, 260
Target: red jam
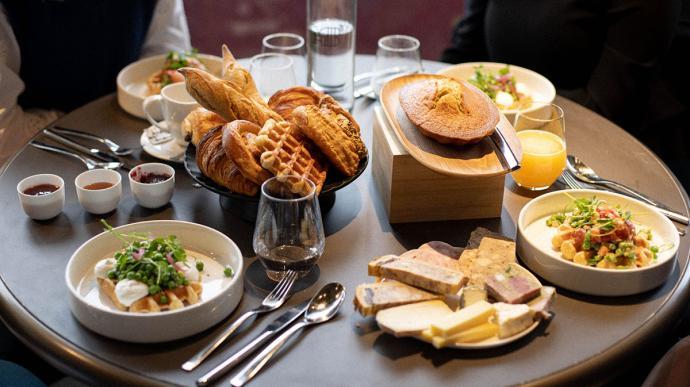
41, 189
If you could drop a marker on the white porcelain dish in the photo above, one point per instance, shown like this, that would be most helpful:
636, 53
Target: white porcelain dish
131, 81
218, 299
534, 247
540, 88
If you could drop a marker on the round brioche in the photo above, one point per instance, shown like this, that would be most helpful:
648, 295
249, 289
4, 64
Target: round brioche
238, 143
449, 111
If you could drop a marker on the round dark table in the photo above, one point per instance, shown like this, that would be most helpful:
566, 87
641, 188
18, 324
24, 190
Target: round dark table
590, 340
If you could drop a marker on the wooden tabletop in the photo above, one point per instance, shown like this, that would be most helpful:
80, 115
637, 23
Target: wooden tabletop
590, 338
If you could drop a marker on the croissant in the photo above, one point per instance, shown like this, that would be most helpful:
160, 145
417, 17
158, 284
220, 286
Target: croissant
215, 164
222, 97
198, 122
285, 101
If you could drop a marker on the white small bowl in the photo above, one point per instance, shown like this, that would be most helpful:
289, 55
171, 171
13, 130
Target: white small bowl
534, 247
131, 81
44, 206
540, 88
152, 195
99, 201
96, 312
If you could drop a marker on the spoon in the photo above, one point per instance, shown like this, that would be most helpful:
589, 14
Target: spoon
322, 307
88, 162
583, 172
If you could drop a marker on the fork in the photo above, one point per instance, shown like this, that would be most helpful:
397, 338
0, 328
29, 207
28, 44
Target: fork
113, 146
89, 162
273, 301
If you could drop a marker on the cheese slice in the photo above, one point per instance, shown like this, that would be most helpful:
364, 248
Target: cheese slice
471, 295
512, 318
466, 318
542, 304
472, 335
411, 319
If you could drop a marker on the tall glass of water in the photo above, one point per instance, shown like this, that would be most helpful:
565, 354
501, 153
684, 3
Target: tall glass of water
289, 232
396, 55
272, 72
331, 26
291, 45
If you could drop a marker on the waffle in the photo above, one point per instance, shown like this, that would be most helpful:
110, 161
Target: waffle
286, 152
176, 297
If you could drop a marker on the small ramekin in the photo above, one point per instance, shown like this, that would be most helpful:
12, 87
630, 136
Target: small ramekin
44, 206
152, 195
100, 201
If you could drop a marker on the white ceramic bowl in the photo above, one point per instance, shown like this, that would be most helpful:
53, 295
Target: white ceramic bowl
131, 81
99, 201
540, 88
95, 311
152, 195
534, 247
42, 207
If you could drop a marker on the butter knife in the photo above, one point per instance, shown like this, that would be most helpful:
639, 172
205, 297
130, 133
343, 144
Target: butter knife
267, 334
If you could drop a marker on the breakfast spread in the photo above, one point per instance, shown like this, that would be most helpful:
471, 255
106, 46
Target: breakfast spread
449, 111
593, 233
502, 88
416, 293
168, 74
242, 141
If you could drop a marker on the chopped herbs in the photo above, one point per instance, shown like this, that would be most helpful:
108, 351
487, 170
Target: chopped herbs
501, 88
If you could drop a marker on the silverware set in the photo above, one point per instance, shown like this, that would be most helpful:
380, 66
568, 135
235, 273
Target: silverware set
92, 158
322, 307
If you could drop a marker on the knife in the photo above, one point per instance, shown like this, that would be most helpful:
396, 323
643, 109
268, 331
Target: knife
271, 330
81, 148
508, 157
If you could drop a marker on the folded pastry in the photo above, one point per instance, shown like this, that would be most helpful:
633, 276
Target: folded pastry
285, 152
224, 98
285, 101
449, 111
215, 164
330, 133
198, 122
238, 143
239, 77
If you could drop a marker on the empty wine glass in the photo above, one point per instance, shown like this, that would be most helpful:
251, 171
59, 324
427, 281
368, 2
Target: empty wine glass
291, 45
289, 232
272, 72
396, 55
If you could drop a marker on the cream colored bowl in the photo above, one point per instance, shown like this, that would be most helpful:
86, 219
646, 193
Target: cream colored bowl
219, 297
131, 81
534, 247
540, 88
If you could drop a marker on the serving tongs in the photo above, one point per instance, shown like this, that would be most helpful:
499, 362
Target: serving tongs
112, 145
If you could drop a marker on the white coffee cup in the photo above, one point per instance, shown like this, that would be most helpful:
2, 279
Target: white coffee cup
41, 207
175, 103
152, 195
103, 200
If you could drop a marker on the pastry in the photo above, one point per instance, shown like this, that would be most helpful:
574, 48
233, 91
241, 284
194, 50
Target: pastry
328, 132
239, 77
285, 152
238, 143
215, 164
449, 111
285, 101
198, 122
224, 98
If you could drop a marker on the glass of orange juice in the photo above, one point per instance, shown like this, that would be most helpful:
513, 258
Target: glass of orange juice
541, 130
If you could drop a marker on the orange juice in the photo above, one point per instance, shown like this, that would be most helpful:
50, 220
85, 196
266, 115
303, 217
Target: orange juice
543, 159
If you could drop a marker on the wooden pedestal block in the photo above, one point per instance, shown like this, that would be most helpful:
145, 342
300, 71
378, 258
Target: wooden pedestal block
413, 193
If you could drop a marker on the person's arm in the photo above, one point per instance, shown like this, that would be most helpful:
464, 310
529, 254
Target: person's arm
168, 30
468, 43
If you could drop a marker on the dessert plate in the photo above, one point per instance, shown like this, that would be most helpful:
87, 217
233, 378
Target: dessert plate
491, 342
480, 159
168, 151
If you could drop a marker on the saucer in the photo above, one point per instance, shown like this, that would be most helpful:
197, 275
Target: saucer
168, 151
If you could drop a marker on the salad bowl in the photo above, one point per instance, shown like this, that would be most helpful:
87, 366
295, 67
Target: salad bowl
219, 296
534, 246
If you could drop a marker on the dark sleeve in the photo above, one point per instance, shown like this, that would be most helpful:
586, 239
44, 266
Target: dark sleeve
638, 34
468, 43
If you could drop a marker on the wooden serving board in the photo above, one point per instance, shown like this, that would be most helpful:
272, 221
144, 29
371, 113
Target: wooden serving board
478, 159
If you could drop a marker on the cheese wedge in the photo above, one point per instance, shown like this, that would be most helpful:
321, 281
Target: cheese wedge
472, 335
512, 319
411, 319
475, 314
371, 298
416, 273
542, 304
471, 295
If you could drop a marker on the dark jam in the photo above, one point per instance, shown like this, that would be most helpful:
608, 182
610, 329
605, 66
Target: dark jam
41, 189
152, 178
99, 185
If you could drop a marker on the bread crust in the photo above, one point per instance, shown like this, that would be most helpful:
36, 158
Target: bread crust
217, 166
238, 144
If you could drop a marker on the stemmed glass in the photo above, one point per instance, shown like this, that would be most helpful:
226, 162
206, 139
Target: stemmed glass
291, 45
396, 55
541, 130
289, 232
272, 72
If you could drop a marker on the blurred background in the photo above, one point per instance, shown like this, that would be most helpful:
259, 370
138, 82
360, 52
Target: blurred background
242, 23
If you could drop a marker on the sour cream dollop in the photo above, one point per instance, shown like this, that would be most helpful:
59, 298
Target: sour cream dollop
189, 270
103, 267
129, 291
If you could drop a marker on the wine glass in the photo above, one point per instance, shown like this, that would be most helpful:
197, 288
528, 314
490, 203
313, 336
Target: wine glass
291, 45
289, 232
541, 130
272, 72
396, 55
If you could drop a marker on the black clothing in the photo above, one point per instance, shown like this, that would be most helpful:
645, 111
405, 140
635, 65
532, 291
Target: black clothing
72, 50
